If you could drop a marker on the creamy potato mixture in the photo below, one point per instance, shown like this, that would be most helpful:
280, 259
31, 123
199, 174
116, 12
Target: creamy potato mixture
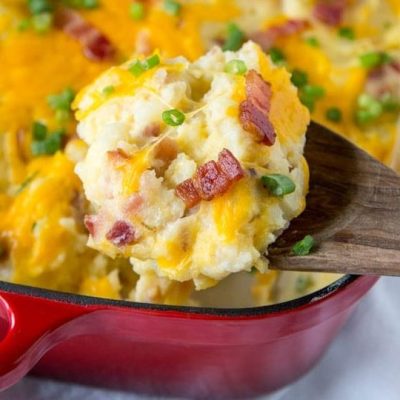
343, 57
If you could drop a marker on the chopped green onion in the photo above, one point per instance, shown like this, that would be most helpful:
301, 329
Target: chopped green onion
86, 4
48, 146
39, 6
234, 38
278, 185
346, 32
334, 114
173, 117
62, 100
299, 78
390, 103
62, 116
108, 90
151, 62
39, 131
136, 68
276, 55
304, 282
23, 25
310, 94
369, 109
374, 59
89, 4
42, 22
172, 7
237, 67
304, 246
25, 183
136, 11
312, 41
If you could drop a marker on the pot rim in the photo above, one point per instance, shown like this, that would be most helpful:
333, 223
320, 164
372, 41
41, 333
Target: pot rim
88, 301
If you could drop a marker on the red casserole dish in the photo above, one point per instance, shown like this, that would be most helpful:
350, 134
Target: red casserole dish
169, 350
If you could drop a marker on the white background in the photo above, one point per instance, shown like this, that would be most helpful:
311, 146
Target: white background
362, 364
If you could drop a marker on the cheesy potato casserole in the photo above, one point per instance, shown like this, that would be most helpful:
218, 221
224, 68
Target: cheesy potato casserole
179, 106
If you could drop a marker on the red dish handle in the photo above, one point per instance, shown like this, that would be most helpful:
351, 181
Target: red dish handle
29, 327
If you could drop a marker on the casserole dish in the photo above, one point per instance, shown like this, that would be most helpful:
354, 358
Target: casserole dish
170, 350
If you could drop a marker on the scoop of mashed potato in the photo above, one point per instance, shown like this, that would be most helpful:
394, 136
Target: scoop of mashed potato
176, 156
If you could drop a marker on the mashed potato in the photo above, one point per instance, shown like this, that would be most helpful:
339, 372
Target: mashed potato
142, 156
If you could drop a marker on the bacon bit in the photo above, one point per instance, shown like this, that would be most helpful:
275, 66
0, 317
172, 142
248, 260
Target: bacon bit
121, 234
255, 109
211, 179
90, 222
330, 12
79, 205
384, 80
188, 193
230, 166
117, 157
152, 130
133, 204
96, 45
266, 39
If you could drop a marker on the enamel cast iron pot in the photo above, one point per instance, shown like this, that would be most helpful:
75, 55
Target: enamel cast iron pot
169, 350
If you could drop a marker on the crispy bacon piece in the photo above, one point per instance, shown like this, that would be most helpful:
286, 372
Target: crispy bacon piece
384, 81
330, 12
121, 234
211, 179
255, 109
96, 46
267, 38
230, 166
90, 222
188, 193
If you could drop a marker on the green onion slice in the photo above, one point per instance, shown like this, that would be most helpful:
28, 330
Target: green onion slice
61, 101
346, 32
304, 246
172, 7
299, 78
276, 55
278, 185
173, 117
42, 22
374, 59
237, 67
39, 131
234, 38
334, 114
151, 62
49, 146
136, 11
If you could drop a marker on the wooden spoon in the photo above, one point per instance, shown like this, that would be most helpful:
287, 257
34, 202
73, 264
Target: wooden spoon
352, 212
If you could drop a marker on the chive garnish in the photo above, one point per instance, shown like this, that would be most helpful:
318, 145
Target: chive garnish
42, 23
48, 146
136, 11
278, 185
299, 78
346, 32
234, 38
312, 41
62, 100
39, 131
374, 59
237, 67
304, 246
333, 114
173, 117
276, 55
172, 7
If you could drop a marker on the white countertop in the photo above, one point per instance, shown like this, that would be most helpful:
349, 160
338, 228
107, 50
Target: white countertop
362, 364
